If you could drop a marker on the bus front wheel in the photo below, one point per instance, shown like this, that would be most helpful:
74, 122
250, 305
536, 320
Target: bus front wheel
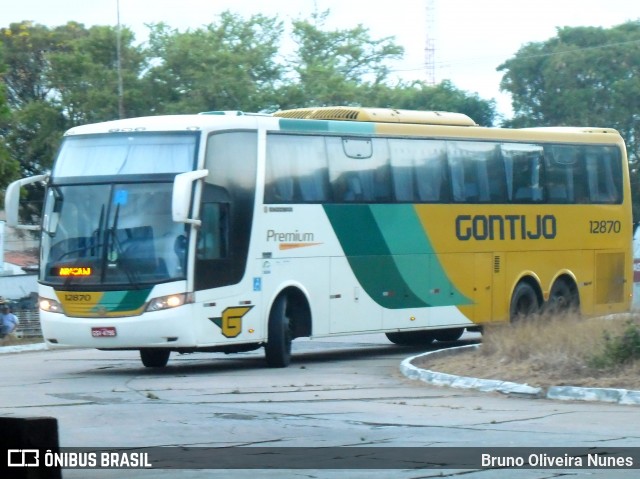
278, 348
524, 303
154, 358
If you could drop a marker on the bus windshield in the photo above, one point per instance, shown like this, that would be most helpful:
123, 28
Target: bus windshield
126, 154
111, 234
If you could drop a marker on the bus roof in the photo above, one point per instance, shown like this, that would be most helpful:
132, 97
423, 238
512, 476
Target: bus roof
378, 115
352, 120
190, 122
573, 129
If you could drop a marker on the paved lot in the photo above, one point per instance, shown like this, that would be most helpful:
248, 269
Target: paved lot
339, 392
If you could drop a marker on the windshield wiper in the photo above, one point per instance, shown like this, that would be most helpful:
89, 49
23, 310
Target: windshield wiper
96, 237
115, 246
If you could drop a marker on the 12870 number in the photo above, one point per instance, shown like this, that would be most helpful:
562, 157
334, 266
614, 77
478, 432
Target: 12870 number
604, 226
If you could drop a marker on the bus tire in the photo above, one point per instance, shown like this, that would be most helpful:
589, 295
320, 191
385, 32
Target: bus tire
563, 299
449, 334
411, 338
154, 358
524, 302
278, 348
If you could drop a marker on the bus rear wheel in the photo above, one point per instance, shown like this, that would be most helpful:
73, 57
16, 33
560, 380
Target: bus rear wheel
524, 303
278, 348
563, 299
154, 358
411, 338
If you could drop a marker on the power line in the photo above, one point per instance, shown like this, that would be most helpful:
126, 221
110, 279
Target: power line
581, 49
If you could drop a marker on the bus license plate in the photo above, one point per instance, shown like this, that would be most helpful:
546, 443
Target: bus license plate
104, 332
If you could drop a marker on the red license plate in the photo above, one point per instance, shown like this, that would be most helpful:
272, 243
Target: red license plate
104, 332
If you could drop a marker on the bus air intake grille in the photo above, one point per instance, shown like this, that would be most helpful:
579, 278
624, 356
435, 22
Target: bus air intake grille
379, 115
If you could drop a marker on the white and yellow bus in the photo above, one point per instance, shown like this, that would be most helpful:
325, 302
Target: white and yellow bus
229, 231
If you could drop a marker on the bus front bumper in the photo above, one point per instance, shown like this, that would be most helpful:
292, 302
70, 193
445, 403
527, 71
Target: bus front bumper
160, 329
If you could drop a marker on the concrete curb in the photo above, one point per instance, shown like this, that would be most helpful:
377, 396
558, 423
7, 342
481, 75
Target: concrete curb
565, 393
18, 348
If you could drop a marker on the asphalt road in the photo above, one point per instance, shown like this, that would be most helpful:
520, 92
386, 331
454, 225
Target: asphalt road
339, 392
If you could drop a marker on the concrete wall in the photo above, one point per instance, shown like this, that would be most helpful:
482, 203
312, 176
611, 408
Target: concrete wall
18, 286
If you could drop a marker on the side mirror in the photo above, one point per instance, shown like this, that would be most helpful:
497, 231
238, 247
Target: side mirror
182, 194
12, 201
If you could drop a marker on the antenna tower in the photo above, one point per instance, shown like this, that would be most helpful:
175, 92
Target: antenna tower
430, 48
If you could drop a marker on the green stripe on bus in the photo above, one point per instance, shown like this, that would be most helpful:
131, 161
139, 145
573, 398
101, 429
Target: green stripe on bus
414, 256
370, 257
122, 301
348, 127
391, 256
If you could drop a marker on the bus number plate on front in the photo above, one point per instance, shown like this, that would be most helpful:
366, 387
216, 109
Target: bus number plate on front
104, 332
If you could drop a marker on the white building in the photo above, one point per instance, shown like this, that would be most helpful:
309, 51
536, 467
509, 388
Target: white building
18, 264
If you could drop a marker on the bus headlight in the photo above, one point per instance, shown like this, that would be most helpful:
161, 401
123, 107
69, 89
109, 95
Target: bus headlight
171, 301
50, 305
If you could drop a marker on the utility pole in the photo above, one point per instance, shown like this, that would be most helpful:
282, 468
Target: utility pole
430, 48
119, 64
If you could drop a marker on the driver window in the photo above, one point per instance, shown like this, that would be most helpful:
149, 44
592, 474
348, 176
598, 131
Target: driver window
213, 235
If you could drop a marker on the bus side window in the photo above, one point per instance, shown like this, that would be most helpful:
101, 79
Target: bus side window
565, 174
296, 169
213, 236
419, 170
359, 170
472, 177
603, 169
523, 169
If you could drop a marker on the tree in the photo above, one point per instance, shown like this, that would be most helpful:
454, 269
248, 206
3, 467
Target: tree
84, 74
32, 132
67, 75
583, 76
27, 47
9, 168
442, 97
228, 65
74, 68
33, 136
335, 67
58, 78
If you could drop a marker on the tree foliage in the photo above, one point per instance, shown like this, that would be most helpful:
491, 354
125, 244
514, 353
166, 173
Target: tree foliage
230, 65
84, 74
25, 54
584, 76
335, 67
442, 97
59, 77
9, 167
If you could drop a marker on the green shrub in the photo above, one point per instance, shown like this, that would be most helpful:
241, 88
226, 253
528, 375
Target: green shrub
618, 350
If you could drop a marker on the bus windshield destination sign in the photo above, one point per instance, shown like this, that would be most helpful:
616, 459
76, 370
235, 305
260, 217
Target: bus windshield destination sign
75, 271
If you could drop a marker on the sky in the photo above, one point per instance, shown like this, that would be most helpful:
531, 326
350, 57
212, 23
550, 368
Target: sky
470, 38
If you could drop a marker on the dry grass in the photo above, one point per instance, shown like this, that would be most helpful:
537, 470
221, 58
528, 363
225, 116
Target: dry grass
13, 340
566, 343
549, 351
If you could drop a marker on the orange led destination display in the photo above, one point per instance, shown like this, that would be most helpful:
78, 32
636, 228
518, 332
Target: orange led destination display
75, 271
